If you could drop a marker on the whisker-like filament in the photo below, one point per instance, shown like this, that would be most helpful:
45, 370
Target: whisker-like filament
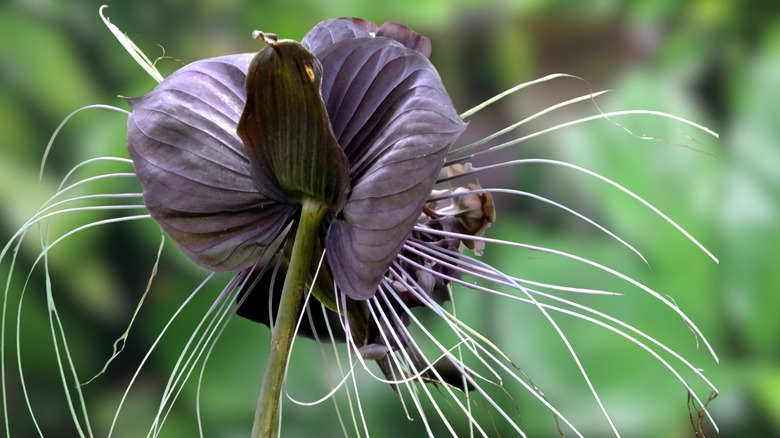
601, 267
383, 322
455, 324
154, 344
339, 366
209, 325
326, 363
454, 152
469, 266
514, 90
614, 184
466, 373
341, 309
547, 201
58, 336
89, 162
95, 197
575, 122
568, 345
236, 284
429, 368
64, 122
306, 313
119, 344
465, 341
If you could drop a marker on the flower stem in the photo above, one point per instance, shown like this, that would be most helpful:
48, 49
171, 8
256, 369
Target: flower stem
267, 413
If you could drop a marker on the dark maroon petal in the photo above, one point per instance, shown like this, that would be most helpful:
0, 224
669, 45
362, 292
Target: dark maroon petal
329, 32
193, 168
391, 114
405, 36
363, 24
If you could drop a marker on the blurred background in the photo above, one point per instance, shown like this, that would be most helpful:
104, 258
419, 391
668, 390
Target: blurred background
712, 61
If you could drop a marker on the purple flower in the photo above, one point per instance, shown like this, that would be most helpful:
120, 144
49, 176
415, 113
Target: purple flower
230, 151
221, 202
226, 202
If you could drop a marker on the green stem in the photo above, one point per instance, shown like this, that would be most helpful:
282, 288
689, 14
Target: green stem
267, 413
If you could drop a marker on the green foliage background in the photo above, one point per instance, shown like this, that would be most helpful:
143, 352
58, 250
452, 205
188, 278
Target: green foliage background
711, 61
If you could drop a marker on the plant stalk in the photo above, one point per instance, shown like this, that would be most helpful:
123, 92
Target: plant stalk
266, 421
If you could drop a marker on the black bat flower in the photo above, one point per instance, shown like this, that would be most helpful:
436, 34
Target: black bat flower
358, 108
340, 147
354, 116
